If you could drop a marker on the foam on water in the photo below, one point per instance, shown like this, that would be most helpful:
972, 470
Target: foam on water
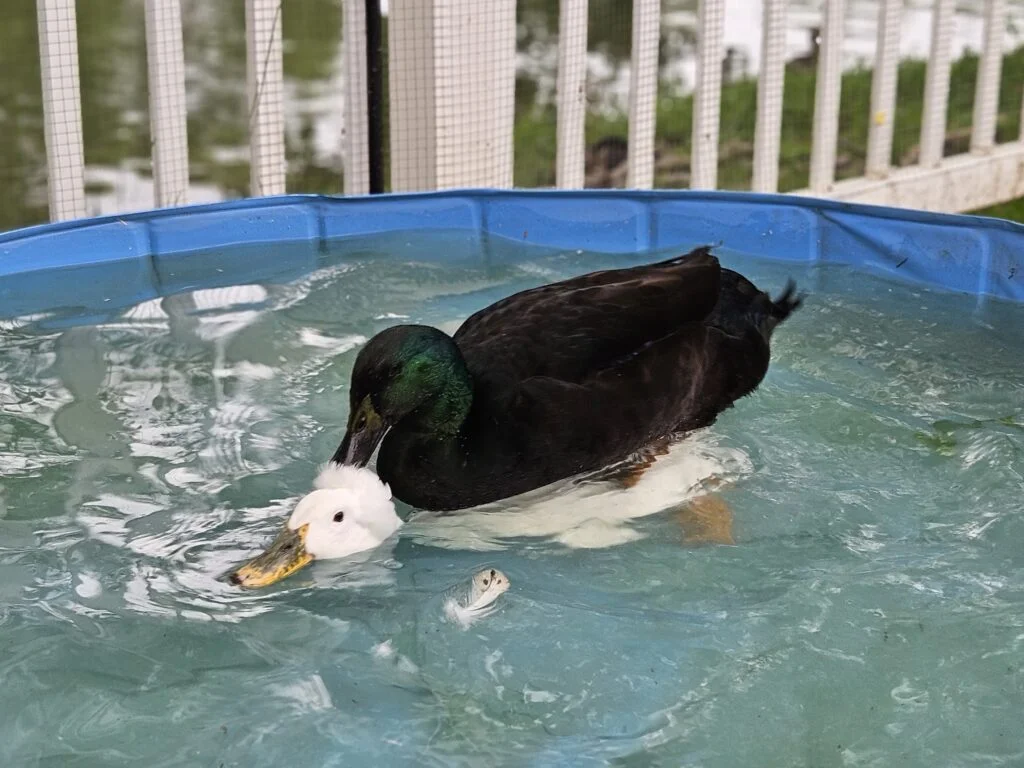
870, 613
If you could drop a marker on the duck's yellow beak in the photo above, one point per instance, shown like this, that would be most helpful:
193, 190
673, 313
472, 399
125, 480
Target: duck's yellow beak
283, 557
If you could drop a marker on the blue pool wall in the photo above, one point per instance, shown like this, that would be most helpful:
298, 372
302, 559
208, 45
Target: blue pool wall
104, 264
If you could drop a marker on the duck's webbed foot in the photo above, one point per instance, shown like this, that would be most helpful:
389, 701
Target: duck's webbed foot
706, 519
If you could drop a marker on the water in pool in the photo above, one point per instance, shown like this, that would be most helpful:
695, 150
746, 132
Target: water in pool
869, 613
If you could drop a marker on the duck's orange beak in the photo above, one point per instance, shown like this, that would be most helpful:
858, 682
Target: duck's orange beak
285, 555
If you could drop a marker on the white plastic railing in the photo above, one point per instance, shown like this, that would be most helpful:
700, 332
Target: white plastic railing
356, 132
643, 94
451, 105
62, 108
986, 92
988, 174
265, 79
768, 129
165, 54
707, 98
936, 86
451, 85
883, 89
825, 131
571, 93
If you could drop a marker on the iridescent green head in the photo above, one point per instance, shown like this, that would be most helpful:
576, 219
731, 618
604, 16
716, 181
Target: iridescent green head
412, 375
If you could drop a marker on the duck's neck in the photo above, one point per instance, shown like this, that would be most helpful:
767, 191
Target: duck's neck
442, 415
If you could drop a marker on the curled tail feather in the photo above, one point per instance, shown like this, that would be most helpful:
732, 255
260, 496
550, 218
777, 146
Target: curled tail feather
787, 303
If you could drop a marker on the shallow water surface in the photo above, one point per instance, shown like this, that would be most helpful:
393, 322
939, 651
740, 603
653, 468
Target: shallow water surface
871, 612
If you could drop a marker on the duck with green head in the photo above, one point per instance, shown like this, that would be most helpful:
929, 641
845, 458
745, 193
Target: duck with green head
556, 381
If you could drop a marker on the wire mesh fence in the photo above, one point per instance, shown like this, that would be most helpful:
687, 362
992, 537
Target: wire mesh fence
167, 107
608, 80
535, 93
115, 90
62, 113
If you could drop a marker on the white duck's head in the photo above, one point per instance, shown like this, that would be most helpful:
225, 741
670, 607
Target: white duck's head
350, 511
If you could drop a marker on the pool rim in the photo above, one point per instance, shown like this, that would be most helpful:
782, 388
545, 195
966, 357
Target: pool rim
151, 253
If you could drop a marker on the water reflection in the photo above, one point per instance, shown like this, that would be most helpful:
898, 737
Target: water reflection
159, 409
186, 421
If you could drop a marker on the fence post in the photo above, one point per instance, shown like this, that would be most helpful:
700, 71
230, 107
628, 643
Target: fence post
265, 78
168, 123
707, 99
474, 69
768, 131
355, 142
883, 89
411, 92
936, 86
62, 108
825, 132
643, 94
452, 93
571, 94
986, 91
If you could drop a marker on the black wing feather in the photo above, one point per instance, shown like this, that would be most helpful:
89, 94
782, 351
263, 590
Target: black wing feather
572, 329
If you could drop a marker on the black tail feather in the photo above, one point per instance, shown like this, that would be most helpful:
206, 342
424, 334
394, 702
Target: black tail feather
789, 300
781, 308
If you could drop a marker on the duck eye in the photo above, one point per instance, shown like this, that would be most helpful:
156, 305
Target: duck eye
360, 421
339, 516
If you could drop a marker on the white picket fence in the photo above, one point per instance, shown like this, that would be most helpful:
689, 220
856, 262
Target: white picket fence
451, 93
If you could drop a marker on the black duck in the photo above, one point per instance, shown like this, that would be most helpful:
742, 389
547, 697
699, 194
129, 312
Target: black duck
558, 380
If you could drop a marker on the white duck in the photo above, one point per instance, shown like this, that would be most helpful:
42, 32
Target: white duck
350, 511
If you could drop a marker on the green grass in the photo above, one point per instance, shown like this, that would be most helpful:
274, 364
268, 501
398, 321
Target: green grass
1013, 210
